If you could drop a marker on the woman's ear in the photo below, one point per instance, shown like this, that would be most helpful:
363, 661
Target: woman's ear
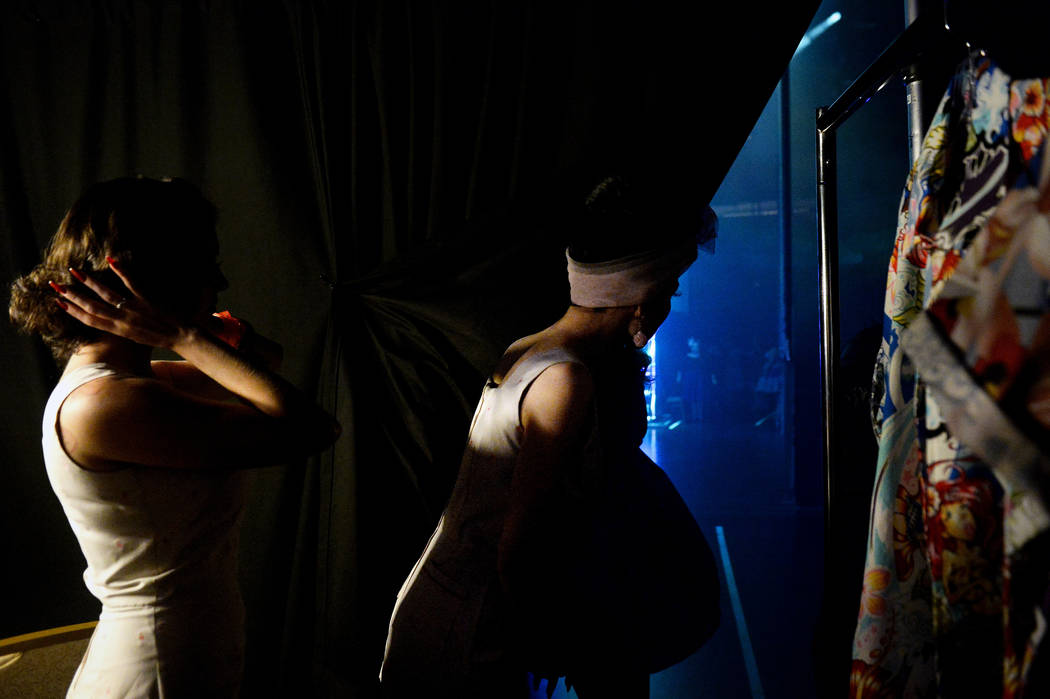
637, 327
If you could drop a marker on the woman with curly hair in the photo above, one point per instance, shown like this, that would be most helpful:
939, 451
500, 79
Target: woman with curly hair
148, 457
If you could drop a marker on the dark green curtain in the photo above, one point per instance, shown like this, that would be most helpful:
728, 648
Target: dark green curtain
391, 178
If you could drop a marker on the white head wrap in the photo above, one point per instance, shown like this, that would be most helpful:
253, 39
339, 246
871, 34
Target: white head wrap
630, 280
634, 279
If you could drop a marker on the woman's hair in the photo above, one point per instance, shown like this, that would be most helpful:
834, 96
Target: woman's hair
162, 231
621, 217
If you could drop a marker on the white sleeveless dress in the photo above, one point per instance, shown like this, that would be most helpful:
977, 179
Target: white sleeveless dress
161, 552
447, 631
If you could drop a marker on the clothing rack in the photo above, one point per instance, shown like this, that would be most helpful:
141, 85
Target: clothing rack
925, 32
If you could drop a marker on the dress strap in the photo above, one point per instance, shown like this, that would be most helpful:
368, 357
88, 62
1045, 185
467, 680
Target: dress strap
532, 366
73, 380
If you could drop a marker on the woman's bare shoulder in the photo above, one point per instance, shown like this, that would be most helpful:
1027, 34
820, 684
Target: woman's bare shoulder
511, 356
559, 399
112, 391
86, 400
99, 411
531, 345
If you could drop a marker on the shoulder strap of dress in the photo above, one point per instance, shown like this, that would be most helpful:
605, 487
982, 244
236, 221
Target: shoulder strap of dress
526, 372
69, 383
80, 376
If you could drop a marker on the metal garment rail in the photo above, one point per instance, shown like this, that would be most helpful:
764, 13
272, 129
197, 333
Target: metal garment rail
923, 33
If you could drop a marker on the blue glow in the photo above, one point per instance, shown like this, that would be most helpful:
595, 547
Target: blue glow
650, 375
716, 375
816, 31
741, 622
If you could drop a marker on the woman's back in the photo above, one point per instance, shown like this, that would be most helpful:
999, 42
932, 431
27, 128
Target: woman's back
160, 546
478, 503
450, 618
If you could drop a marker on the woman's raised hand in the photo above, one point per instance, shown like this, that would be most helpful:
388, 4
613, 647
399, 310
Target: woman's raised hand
125, 314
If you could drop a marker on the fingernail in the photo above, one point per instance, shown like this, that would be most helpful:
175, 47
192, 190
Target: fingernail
110, 260
62, 304
78, 275
57, 287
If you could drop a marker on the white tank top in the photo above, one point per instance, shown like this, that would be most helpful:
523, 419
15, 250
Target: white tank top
161, 552
459, 620
472, 523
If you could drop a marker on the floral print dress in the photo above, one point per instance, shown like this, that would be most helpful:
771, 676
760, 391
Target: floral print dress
955, 580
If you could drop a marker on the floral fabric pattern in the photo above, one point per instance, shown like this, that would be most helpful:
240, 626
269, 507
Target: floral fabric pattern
948, 525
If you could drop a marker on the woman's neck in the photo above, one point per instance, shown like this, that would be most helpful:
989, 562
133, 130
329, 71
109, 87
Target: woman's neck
591, 332
117, 352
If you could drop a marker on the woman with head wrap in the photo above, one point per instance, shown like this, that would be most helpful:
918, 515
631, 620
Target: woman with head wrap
509, 581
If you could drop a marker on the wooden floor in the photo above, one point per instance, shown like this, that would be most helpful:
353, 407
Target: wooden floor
43, 673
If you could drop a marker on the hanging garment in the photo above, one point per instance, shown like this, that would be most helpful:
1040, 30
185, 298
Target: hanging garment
948, 608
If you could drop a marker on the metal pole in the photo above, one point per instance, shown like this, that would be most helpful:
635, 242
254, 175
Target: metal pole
921, 35
827, 231
913, 84
786, 400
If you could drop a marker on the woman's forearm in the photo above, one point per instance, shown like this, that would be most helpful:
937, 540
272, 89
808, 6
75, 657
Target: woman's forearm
250, 380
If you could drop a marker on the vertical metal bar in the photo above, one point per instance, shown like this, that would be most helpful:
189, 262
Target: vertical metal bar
786, 400
913, 83
827, 231
785, 212
915, 124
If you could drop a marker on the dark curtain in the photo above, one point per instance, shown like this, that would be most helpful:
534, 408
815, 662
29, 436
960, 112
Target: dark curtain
392, 178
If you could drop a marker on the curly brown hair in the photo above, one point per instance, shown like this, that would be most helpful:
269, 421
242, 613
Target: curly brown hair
154, 226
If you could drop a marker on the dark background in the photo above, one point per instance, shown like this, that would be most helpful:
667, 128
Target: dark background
391, 179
